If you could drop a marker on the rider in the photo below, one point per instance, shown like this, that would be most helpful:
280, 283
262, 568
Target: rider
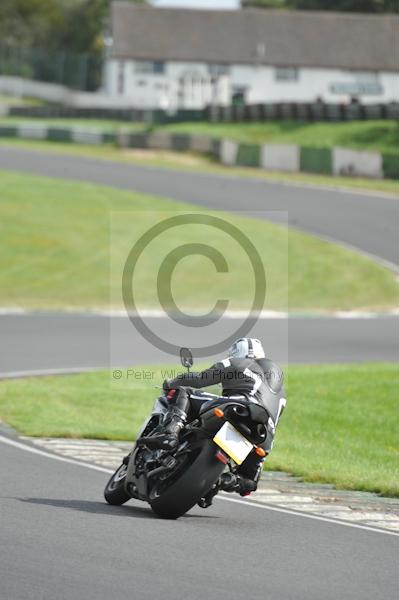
246, 373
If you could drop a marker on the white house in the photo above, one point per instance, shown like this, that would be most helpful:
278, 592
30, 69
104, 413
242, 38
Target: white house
181, 58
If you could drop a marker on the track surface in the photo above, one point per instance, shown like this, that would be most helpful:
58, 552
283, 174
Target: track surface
37, 342
60, 540
367, 222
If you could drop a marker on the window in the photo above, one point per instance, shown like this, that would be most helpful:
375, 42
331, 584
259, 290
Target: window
218, 70
150, 67
366, 76
286, 74
239, 96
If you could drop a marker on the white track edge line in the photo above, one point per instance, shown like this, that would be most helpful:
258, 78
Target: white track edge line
253, 504
45, 372
159, 314
71, 461
308, 516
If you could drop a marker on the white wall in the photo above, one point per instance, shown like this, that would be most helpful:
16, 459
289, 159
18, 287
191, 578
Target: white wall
311, 84
166, 90
50, 92
182, 85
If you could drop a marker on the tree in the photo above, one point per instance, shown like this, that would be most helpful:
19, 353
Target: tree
361, 6
58, 41
29, 22
264, 3
68, 25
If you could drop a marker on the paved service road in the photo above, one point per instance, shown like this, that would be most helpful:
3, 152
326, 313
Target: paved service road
58, 537
60, 540
370, 223
66, 341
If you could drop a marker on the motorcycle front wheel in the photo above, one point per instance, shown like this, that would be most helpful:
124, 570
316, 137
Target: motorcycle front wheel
114, 492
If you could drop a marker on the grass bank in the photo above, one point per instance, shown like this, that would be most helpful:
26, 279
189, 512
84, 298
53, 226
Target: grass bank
380, 136
56, 250
340, 425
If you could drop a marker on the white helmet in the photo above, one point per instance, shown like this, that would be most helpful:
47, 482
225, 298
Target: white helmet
247, 348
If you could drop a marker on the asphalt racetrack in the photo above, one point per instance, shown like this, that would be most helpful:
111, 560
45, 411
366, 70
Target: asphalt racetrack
58, 537
364, 221
35, 343
367, 222
60, 540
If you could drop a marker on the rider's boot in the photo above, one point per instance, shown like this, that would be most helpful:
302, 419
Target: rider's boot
249, 474
207, 500
168, 437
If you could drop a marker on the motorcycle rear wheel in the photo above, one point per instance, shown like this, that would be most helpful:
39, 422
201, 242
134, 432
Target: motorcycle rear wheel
194, 483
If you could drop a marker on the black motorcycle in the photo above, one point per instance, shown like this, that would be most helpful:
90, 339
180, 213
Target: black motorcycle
212, 446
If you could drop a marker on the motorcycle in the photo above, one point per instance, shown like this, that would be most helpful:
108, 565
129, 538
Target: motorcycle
211, 448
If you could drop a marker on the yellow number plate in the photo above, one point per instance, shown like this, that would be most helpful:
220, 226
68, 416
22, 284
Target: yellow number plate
233, 443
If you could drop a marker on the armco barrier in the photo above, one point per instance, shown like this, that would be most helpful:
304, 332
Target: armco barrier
228, 152
390, 165
180, 142
316, 160
280, 157
54, 134
8, 132
32, 132
202, 144
357, 164
248, 155
158, 141
275, 157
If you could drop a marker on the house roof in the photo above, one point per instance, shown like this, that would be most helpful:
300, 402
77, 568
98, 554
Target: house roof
256, 36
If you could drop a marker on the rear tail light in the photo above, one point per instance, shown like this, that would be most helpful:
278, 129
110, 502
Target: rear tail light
222, 457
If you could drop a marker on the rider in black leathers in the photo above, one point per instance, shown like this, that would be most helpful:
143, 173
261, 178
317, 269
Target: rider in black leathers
246, 373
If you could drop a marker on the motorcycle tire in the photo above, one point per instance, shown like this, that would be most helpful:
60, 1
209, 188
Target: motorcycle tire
114, 492
193, 484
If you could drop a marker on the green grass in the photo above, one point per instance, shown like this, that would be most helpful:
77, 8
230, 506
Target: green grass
340, 425
19, 101
98, 124
381, 136
56, 250
203, 164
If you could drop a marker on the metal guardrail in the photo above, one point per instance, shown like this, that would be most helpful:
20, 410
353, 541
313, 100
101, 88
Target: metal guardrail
272, 157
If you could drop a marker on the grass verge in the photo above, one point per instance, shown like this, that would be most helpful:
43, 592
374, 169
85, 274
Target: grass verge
379, 136
56, 250
203, 164
340, 425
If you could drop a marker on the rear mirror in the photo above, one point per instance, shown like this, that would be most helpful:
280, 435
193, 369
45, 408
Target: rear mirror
186, 357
